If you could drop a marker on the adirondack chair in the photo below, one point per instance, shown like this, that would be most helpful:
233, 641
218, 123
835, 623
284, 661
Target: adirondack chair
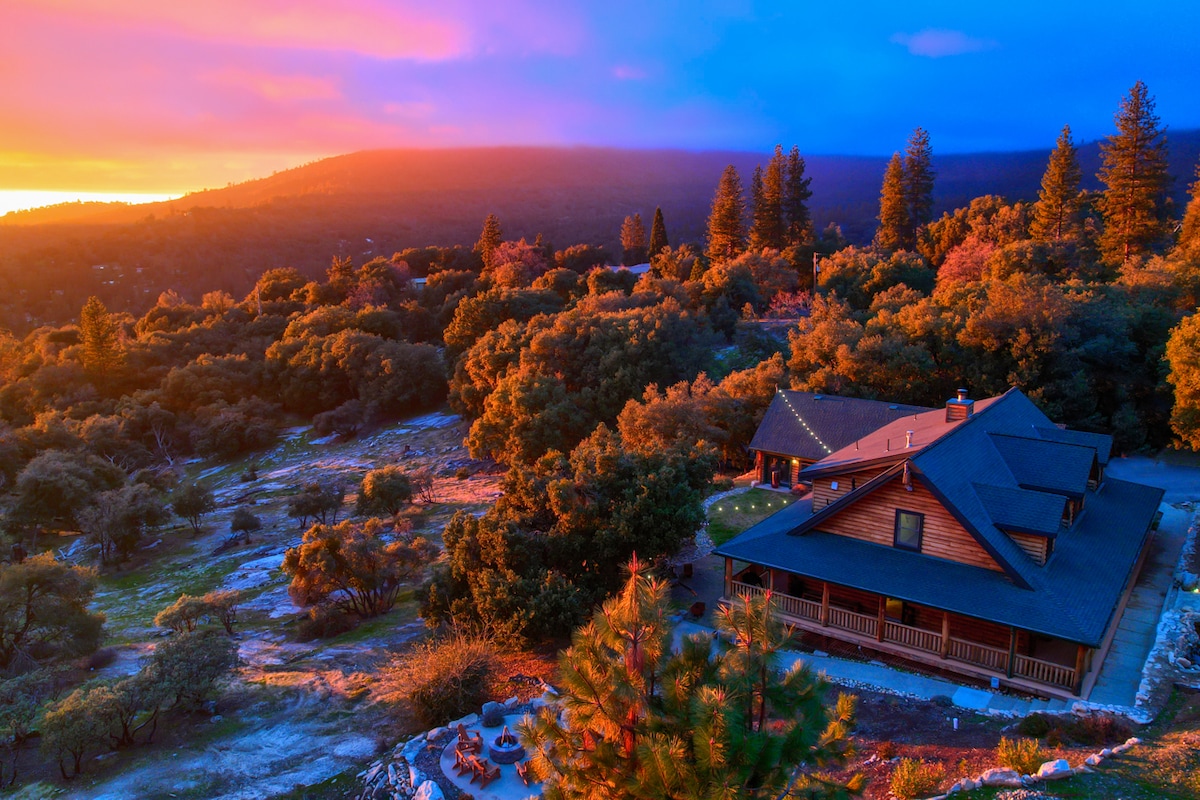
523, 772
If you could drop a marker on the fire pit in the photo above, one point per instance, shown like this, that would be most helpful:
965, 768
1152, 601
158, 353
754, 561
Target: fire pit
506, 748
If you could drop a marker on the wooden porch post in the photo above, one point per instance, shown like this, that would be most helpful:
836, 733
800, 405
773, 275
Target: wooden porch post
945, 634
729, 578
879, 621
1012, 649
1080, 668
825, 603
770, 579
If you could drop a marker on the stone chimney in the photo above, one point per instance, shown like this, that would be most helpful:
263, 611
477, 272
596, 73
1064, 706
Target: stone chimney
959, 408
908, 438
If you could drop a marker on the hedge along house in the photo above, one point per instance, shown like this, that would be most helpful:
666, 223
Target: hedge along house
980, 539
800, 428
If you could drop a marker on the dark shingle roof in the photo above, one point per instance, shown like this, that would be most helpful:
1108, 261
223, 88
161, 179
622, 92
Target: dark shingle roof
1099, 441
978, 481
811, 426
1047, 466
1022, 510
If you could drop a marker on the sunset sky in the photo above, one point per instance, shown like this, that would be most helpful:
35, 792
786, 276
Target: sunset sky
153, 96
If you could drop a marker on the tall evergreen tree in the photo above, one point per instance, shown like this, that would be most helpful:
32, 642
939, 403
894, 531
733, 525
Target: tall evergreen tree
798, 229
1056, 212
489, 239
633, 241
768, 229
893, 208
918, 185
658, 233
1134, 174
100, 339
757, 209
726, 225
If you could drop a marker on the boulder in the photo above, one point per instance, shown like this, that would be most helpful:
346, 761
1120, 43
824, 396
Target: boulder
429, 791
1093, 760
1054, 770
1001, 777
512, 701
1106, 753
1132, 740
415, 776
492, 715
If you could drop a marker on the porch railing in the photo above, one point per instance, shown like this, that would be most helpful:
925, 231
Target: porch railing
853, 621
994, 659
973, 653
1043, 671
918, 638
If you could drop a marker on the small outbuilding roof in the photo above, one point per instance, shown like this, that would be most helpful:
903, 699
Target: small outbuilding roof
811, 426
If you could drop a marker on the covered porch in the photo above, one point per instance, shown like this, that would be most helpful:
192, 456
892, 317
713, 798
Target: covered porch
978, 648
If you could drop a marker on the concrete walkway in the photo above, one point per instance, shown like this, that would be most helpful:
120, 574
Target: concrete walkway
1121, 671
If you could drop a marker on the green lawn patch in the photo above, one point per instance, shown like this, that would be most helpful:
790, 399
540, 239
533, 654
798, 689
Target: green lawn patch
729, 517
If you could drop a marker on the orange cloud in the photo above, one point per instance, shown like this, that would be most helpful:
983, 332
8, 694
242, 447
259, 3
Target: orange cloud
278, 88
370, 28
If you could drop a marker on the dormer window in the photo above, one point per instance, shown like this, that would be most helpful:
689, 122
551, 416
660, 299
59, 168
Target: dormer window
908, 530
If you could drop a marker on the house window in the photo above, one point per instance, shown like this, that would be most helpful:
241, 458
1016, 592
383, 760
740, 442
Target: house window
908, 530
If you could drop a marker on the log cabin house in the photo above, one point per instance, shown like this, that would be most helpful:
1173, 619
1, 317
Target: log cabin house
980, 539
800, 428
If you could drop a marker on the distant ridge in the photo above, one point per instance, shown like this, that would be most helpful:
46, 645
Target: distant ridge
381, 201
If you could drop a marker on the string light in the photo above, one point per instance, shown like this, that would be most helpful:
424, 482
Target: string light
800, 419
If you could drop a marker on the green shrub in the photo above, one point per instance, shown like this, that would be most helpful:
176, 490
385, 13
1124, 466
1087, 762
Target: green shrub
323, 621
1098, 730
1023, 755
912, 779
442, 679
1035, 726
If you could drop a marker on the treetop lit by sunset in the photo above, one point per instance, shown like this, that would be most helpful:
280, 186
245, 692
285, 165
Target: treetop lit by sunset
136, 95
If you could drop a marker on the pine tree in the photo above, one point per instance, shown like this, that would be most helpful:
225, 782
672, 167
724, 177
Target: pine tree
726, 228
658, 234
796, 193
100, 339
489, 239
918, 185
640, 721
893, 208
633, 241
757, 209
769, 229
1134, 174
1056, 212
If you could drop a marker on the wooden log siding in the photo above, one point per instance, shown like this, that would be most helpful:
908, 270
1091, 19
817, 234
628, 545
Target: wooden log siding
873, 519
1034, 546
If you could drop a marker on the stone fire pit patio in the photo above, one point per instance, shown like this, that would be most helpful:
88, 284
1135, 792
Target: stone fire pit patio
508, 786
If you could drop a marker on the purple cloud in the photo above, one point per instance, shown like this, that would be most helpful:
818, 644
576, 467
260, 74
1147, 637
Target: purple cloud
938, 43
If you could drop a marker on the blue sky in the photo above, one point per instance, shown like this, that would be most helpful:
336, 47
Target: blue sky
140, 95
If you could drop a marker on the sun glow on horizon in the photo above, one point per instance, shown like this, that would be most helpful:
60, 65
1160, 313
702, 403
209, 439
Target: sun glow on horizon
25, 200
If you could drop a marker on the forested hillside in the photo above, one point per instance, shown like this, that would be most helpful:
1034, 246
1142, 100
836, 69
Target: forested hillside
378, 203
